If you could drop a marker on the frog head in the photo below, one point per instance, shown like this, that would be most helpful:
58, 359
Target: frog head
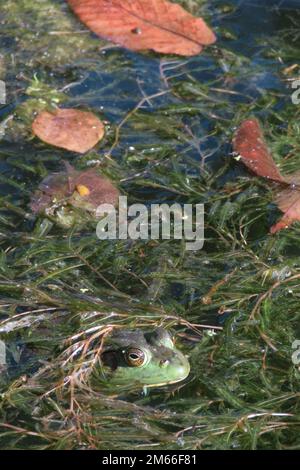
135, 357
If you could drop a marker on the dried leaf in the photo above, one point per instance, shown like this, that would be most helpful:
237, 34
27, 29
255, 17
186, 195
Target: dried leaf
71, 129
250, 145
82, 189
97, 190
252, 149
158, 25
288, 201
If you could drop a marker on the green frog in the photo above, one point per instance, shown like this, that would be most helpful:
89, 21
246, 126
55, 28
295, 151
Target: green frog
149, 359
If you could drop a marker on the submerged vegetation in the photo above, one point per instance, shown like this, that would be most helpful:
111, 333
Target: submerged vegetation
233, 306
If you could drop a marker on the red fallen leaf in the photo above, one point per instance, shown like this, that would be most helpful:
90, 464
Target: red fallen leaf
158, 25
71, 129
250, 145
288, 201
82, 189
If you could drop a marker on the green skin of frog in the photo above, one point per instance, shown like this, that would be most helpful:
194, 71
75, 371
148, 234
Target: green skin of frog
147, 359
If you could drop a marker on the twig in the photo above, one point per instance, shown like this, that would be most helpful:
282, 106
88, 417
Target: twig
129, 115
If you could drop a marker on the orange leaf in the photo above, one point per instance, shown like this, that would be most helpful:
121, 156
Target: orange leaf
145, 24
71, 129
249, 143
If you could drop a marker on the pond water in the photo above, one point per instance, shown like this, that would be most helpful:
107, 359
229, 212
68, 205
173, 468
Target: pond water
233, 306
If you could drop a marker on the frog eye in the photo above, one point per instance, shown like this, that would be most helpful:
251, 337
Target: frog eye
135, 357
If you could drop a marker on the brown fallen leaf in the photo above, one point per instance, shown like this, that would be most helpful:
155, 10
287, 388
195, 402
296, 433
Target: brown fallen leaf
251, 147
288, 201
91, 190
158, 25
71, 129
55, 187
84, 190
